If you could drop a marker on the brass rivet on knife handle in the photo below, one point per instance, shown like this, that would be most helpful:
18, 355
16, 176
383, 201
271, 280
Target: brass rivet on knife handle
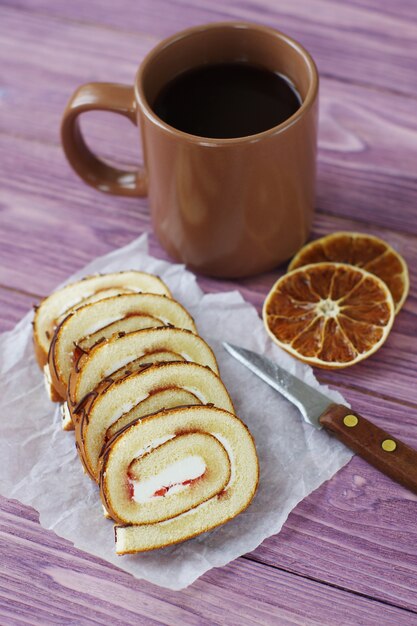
372, 444
388, 445
350, 420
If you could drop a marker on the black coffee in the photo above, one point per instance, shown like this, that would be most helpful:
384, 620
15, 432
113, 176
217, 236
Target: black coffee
226, 100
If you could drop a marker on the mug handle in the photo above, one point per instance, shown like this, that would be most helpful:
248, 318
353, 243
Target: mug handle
100, 97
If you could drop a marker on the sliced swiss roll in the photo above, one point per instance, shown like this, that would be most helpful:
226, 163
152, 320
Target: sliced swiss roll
55, 307
101, 320
126, 353
176, 474
160, 386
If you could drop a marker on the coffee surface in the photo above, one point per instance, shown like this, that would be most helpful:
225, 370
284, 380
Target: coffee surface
226, 100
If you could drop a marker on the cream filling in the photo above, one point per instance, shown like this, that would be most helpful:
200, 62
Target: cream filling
66, 415
226, 445
158, 441
72, 302
117, 365
197, 392
125, 408
170, 480
102, 323
47, 380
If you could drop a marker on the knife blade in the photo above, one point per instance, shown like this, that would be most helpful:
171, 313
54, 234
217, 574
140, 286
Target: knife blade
385, 452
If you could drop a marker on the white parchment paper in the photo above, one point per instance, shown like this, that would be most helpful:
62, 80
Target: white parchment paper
39, 464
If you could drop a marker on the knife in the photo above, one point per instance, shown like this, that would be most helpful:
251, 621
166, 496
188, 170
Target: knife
376, 446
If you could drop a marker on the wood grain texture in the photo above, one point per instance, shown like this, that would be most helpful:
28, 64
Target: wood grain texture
13, 306
359, 42
361, 129
49, 582
347, 553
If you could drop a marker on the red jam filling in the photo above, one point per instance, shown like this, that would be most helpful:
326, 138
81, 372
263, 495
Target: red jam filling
164, 490
130, 489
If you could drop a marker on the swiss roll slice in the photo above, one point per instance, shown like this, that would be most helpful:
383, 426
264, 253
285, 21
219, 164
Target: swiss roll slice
91, 288
124, 352
139, 394
176, 474
98, 320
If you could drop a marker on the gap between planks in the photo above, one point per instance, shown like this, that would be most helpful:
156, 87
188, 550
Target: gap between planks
330, 585
51, 144
21, 292
375, 394
318, 210
365, 85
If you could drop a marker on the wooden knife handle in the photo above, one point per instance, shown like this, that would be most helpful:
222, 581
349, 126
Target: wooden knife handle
376, 446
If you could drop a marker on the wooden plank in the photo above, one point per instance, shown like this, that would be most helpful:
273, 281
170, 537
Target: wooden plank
50, 582
368, 43
13, 306
405, 9
362, 131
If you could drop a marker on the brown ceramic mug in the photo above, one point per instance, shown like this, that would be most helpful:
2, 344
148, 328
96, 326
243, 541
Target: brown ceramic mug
225, 207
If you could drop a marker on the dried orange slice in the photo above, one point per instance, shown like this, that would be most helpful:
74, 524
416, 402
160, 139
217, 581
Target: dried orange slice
367, 251
330, 315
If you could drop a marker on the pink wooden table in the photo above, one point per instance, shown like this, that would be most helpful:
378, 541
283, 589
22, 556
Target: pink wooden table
348, 553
